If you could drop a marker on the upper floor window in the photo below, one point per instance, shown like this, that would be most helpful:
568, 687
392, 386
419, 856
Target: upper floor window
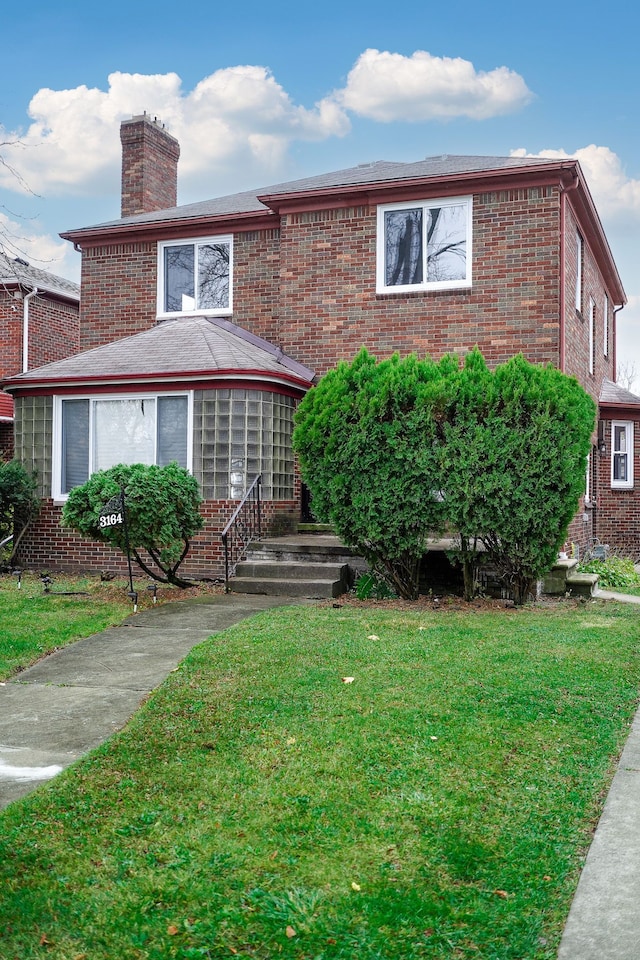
95, 433
424, 246
622, 454
605, 326
195, 276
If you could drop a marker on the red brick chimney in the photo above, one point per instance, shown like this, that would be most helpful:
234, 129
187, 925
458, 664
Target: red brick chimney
149, 166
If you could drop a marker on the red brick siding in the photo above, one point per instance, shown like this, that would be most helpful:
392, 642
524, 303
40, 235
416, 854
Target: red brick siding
617, 515
48, 546
119, 291
53, 331
577, 324
329, 305
149, 167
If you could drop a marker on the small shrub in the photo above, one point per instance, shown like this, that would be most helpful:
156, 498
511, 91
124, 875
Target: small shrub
371, 586
613, 573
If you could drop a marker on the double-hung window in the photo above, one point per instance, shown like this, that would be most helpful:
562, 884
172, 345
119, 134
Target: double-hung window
424, 245
195, 276
622, 454
95, 433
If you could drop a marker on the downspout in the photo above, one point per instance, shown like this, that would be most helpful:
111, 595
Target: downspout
563, 273
25, 329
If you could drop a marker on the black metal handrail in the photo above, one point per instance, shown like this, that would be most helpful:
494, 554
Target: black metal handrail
243, 527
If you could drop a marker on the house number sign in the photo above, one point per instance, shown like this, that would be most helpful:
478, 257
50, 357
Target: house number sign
110, 520
112, 514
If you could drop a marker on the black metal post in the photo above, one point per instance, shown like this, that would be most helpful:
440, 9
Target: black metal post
132, 593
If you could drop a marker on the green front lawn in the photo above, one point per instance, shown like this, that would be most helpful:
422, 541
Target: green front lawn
439, 805
33, 623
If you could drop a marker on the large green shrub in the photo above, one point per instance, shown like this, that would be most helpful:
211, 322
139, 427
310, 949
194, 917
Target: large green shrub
19, 502
162, 514
392, 451
366, 438
516, 449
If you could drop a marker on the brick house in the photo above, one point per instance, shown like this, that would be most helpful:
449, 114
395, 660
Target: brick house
39, 322
202, 325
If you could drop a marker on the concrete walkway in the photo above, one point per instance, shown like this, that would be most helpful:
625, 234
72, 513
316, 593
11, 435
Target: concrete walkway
70, 702
604, 920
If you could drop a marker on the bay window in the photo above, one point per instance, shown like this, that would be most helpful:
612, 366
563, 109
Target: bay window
95, 433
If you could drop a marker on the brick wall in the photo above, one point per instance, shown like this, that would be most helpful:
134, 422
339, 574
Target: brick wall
617, 514
329, 306
119, 291
53, 331
47, 546
577, 323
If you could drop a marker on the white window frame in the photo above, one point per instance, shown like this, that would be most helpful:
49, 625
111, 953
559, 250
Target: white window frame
424, 205
197, 311
579, 257
605, 327
592, 338
56, 447
627, 425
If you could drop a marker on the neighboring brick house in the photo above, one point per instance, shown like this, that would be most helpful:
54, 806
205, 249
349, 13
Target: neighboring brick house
231, 306
39, 322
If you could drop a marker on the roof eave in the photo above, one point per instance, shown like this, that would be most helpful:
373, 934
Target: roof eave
434, 185
175, 227
169, 379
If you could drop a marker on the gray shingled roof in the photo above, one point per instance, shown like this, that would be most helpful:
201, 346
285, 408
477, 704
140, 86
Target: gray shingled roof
611, 392
194, 345
17, 271
381, 171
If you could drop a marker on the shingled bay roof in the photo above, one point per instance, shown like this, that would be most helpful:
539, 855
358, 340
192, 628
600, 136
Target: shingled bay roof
181, 349
381, 171
17, 272
613, 393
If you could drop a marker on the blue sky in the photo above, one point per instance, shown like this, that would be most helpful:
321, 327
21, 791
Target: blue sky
258, 93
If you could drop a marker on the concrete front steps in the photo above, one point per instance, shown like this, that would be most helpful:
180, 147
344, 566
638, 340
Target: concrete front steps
564, 580
314, 565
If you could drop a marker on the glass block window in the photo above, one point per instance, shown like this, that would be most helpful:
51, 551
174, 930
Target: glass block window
244, 433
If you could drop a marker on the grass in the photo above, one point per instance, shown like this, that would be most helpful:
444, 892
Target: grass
34, 623
437, 806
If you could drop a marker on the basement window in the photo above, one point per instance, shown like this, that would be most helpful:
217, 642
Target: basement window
195, 277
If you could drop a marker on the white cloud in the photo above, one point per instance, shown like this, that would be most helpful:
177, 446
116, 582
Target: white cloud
235, 122
27, 241
615, 194
236, 117
388, 86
